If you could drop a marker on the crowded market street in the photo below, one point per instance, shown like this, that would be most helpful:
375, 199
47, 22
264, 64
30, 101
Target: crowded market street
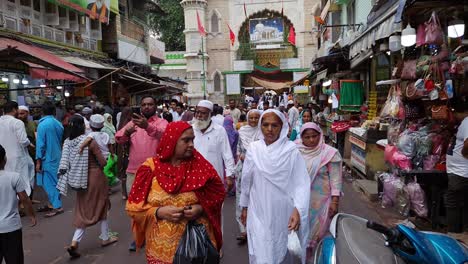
39, 248
233, 131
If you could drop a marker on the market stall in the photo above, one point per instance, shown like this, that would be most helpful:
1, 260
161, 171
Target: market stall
419, 118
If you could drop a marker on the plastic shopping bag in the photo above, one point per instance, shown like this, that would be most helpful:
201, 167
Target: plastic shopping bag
417, 198
110, 170
195, 247
294, 246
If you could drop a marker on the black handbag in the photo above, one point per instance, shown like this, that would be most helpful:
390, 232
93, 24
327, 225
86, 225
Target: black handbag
195, 246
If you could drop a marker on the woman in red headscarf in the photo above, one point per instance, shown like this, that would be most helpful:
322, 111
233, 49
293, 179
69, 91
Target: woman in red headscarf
170, 189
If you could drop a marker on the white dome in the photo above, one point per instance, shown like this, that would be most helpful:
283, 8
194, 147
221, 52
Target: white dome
259, 27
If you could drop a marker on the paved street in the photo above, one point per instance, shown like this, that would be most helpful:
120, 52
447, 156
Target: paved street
45, 243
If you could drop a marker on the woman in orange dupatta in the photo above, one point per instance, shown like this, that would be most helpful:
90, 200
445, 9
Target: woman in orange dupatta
170, 189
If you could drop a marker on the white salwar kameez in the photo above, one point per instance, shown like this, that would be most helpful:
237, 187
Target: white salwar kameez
274, 182
15, 141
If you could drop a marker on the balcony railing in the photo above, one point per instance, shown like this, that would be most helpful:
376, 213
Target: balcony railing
25, 26
132, 29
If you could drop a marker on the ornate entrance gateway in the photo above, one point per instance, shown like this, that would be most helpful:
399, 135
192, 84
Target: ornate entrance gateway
263, 39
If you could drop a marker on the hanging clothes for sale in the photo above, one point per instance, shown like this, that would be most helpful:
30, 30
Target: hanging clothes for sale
351, 95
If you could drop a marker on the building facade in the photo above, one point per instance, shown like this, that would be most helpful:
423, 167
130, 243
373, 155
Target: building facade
261, 56
96, 36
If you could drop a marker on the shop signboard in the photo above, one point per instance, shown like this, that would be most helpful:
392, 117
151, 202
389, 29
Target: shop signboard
301, 89
266, 30
358, 158
95, 9
233, 85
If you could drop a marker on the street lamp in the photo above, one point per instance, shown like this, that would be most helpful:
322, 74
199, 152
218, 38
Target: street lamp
201, 55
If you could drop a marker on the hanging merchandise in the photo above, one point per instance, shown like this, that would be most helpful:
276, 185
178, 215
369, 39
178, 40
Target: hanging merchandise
394, 194
421, 35
434, 32
449, 88
457, 67
409, 70
407, 143
335, 102
440, 112
393, 107
415, 90
417, 198
434, 94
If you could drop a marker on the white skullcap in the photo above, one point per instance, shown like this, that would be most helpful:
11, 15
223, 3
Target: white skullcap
87, 111
290, 102
206, 104
96, 121
23, 107
79, 108
281, 104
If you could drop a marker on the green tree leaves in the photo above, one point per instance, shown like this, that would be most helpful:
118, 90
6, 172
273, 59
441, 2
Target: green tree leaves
169, 27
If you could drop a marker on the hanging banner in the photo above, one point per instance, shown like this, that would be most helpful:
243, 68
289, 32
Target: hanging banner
95, 9
266, 30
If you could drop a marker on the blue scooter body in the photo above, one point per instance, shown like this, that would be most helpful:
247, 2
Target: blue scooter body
432, 247
426, 247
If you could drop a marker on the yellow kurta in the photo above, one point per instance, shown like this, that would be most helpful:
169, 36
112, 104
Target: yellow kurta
162, 237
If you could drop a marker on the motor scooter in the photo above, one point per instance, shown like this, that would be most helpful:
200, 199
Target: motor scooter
355, 240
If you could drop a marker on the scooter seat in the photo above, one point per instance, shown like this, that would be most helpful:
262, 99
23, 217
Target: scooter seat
356, 244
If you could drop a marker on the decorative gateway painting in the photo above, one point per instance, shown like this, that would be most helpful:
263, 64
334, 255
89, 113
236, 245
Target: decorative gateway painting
266, 30
95, 9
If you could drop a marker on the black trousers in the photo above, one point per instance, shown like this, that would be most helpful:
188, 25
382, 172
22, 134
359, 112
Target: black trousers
455, 203
11, 247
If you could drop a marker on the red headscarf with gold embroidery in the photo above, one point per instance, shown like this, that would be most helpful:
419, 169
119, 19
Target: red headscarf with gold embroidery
193, 175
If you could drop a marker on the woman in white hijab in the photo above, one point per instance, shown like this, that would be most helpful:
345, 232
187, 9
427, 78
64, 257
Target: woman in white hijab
275, 193
247, 134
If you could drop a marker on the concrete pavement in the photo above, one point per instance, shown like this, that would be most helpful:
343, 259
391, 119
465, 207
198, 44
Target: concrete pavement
46, 242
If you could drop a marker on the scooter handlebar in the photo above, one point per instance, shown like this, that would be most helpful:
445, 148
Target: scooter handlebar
381, 229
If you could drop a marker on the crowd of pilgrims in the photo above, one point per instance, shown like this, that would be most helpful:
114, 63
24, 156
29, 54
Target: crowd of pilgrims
174, 166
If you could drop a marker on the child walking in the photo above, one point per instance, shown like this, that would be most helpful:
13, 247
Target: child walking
11, 237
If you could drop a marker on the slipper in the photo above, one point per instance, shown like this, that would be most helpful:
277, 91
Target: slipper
44, 208
110, 241
72, 251
55, 212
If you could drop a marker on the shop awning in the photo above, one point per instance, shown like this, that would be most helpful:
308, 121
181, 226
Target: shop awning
86, 63
271, 85
379, 29
319, 76
18, 51
40, 72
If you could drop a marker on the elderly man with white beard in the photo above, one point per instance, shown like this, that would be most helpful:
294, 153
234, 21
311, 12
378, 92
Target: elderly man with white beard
212, 142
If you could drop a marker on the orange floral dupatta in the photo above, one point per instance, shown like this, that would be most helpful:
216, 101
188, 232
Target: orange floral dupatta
195, 175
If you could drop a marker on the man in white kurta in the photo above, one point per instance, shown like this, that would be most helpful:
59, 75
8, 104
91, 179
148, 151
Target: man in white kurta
212, 142
274, 182
14, 139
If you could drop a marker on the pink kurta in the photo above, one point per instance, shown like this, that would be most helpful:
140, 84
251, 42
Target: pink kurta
143, 142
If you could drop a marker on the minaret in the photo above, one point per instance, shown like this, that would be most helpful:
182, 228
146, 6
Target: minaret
193, 46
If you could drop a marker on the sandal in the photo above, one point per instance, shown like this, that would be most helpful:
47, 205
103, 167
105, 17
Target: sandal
54, 212
44, 208
241, 240
72, 251
109, 241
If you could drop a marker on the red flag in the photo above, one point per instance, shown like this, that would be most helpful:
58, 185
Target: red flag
232, 36
201, 29
245, 10
292, 35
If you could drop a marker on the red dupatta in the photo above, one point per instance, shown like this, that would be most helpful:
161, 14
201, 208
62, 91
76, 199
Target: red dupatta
194, 175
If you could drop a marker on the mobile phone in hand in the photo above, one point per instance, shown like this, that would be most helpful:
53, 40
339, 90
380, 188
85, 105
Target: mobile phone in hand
136, 110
